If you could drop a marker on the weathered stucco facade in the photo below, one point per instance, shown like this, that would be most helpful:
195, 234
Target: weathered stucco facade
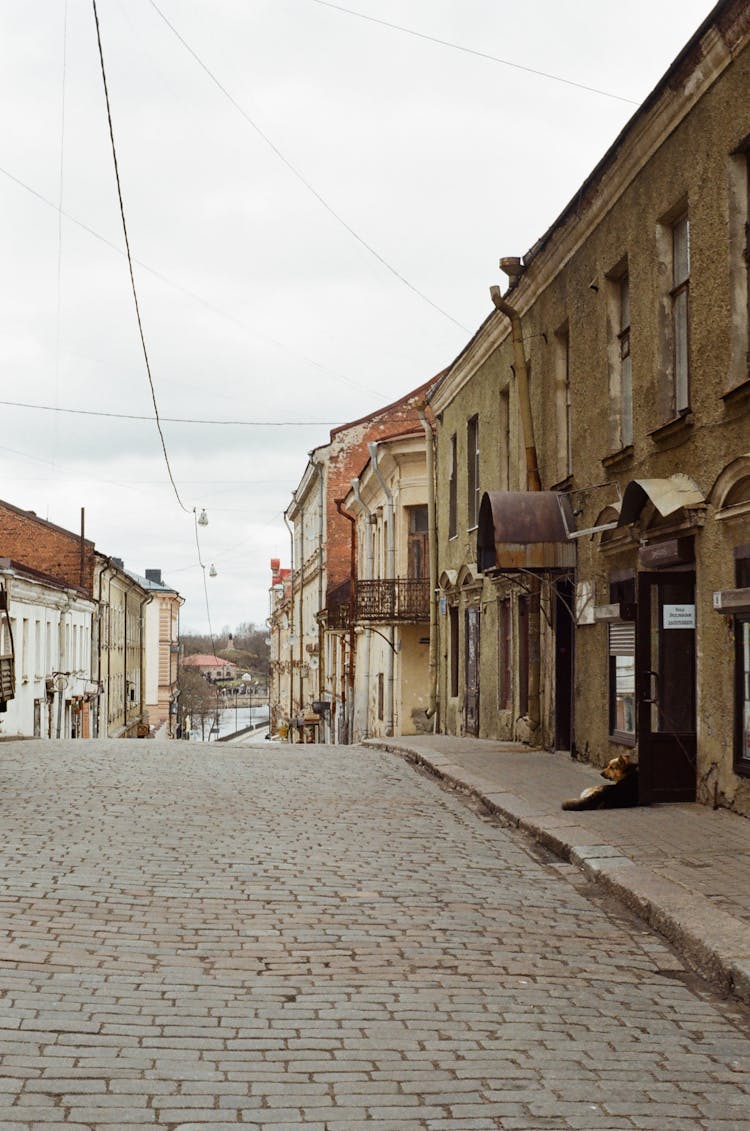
391, 590
633, 311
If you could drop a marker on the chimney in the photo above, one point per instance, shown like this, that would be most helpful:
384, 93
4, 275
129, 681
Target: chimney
118, 562
154, 575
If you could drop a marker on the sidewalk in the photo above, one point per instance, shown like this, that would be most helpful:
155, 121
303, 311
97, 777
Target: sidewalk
683, 868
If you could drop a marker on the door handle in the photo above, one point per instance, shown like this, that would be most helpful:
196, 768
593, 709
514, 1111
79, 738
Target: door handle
654, 697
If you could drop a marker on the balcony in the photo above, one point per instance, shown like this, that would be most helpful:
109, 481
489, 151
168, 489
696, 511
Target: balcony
392, 599
338, 608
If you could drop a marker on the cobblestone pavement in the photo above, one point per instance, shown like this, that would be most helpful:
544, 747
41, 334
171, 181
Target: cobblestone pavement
203, 938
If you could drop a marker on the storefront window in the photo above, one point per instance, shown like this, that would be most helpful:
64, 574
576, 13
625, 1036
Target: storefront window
622, 663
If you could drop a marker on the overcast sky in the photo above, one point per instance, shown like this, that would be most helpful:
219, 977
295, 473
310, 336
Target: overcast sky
258, 302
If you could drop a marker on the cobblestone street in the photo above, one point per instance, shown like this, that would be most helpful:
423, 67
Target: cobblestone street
284, 937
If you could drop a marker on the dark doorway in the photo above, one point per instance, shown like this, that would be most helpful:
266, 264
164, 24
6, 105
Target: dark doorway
564, 654
665, 679
471, 706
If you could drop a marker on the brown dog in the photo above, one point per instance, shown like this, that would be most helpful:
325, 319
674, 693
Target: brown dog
622, 772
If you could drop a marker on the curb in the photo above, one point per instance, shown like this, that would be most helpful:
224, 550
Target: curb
713, 943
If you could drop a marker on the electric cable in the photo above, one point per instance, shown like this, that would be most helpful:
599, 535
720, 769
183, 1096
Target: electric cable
480, 54
193, 294
130, 264
176, 419
302, 179
60, 191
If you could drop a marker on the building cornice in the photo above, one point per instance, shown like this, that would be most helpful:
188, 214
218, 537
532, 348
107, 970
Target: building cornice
653, 123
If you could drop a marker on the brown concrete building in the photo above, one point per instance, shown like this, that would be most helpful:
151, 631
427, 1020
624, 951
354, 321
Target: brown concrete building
594, 552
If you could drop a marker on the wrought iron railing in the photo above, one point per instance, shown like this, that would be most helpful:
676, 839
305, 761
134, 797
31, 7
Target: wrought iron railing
339, 608
392, 599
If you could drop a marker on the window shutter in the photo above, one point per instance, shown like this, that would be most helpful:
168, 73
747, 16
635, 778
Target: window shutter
622, 638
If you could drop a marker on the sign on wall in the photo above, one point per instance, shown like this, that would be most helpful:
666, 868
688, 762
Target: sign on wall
678, 616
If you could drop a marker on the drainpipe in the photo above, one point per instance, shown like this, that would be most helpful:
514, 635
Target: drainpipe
291, 619
321, 588
432, 546
349, 706
390, 571
367, 639
533, 483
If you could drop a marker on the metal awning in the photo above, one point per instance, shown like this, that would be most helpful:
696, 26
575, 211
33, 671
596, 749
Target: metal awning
525, 530
667, 495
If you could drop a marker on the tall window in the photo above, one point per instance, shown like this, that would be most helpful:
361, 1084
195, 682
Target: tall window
622, 663
418, 558
504, 436
680, 312
562, 403
523, 655
453, 614
504, 656
739, 265
472, 468
453, 489
742, 668
626, 373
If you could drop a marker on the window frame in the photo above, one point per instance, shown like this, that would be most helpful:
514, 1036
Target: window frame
453, 489
472, 470
455, 653
622, 593
679, 298
741, 659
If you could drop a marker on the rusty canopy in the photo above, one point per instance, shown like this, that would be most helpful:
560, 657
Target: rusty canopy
667, 495
525, 530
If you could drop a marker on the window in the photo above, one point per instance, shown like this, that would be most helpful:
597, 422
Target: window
562, 403
680, 313
25, 657
622, 663
625, 371
742, 668
504, 433
504, 655
417, 546
739, 264
472, 468
381, 696
453, 489
453, 615
523, 655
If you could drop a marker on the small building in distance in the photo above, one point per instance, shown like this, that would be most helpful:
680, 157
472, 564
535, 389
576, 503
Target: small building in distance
212, 667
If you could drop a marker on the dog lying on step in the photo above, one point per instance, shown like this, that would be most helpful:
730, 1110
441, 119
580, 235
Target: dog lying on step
620, 794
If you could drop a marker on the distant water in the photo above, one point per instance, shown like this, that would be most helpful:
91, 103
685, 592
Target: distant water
231, 720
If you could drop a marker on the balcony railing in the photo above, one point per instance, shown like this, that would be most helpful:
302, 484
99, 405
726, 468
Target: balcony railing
338, 608
392, 599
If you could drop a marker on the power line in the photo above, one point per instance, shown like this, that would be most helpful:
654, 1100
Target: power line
301, 178
479, 54
130, 264
186, 290
177, 419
